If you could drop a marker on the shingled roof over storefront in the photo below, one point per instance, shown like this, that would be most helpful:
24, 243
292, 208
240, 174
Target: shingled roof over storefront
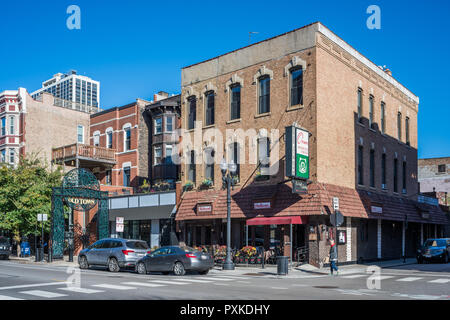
318, 201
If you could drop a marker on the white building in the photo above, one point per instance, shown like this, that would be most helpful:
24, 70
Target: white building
79, 91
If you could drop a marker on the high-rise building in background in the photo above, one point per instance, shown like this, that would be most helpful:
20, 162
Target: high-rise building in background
74, 91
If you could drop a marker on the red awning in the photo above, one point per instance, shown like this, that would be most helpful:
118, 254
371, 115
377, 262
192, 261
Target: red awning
277, 220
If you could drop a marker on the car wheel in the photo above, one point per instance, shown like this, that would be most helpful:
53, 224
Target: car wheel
141, 268
83, 263
113, 266
178, 269
204, 272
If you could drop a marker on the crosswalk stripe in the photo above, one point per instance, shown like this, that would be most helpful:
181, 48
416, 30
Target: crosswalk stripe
409, 279
216, 278
197, 280
232, 277
353, 276
439, 281
44, 294
81, 290
169, 282
9, 298
113, 286
143, 284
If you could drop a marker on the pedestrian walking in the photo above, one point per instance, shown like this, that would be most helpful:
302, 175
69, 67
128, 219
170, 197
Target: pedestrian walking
333, 257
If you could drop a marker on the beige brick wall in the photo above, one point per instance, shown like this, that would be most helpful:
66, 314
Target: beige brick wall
48, 126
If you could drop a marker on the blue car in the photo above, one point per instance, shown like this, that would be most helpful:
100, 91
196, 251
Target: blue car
434, 250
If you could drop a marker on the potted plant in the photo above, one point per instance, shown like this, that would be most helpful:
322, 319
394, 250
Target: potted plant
206, 184
188, 186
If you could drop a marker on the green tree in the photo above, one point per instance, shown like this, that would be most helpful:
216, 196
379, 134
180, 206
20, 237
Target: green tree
25, 192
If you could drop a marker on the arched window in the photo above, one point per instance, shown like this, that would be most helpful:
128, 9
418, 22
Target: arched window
235, 102
192, 112
264, 156
296, 85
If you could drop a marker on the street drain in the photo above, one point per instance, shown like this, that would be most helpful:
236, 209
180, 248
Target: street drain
326, 287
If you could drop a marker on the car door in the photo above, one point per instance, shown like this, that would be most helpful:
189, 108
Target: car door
104, 252
169, 259
91, 255
155, 260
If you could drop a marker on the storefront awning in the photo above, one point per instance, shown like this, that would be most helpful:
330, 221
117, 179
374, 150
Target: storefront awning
277, 220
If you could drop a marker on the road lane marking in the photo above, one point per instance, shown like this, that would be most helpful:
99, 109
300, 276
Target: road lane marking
143, 284
409, 279
44, 294
221, 284
8, 298
278, 288
168, 282
33, 285
216, 278
439, 281
197, 280
81, 290
113, 286
232, 277
354, 276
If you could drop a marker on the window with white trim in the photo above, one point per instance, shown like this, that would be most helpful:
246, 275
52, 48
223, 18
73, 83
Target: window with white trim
169, 123
168, 156
80, 134
127, 139
109, 138
264, 94
3, 123
157, 156
96, 139
11, 126
158, 125
296, 86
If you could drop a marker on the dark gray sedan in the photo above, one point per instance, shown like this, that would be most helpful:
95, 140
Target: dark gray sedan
5, 247
176, 259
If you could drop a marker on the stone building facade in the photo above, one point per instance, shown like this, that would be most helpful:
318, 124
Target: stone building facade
362, 149
434, 177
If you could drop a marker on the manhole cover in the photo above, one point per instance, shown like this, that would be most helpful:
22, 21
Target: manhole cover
326, 287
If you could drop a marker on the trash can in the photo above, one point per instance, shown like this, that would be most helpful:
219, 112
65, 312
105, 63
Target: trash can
282, 265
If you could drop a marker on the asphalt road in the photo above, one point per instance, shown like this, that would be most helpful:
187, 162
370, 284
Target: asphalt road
41, 282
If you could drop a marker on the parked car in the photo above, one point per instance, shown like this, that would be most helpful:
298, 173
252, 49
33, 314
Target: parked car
434, 250
5, 247
176, 259
113, 254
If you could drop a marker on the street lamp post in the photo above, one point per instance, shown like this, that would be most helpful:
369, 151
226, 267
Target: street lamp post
227, 171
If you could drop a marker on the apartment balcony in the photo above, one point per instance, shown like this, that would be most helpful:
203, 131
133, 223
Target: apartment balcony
84, 156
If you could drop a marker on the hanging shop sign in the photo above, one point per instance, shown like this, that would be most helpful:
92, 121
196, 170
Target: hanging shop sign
297, 153
299, 186
119, 224
376, 209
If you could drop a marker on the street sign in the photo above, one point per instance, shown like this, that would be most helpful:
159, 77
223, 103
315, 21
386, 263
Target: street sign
42, 217
119, 224
299, 186
335, 203
336, 219
297, 153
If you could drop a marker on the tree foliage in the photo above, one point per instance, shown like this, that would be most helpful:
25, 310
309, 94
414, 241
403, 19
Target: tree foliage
25, 192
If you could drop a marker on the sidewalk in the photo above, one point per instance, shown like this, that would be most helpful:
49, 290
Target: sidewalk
31, 260
308, 270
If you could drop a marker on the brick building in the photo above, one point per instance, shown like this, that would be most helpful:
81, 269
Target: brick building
363, 149
434, 178
29, 126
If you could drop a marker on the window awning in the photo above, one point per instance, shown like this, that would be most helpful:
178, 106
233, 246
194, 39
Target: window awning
277, 220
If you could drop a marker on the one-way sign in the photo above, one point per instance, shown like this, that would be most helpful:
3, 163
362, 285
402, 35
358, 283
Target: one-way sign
336, 219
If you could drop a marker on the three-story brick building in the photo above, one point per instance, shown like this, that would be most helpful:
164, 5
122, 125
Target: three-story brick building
363, 149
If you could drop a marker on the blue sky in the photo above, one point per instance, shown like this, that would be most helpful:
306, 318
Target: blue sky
136, 48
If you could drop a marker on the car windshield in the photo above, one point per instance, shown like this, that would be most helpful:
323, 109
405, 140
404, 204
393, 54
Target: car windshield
137, 244
4, 240
434, 243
